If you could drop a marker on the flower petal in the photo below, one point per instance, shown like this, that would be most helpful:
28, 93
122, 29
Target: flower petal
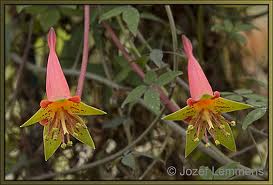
198, 82
51, 144
83, 135
191, 143
224, 105
41, 114
84, 109
56, 84
227, 140
181, 114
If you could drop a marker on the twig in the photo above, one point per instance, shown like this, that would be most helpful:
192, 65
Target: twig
85, 50
172, 106
106, 159
19, 76
174, 37
71, 72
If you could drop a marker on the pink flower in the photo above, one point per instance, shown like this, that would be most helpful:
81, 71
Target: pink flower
204, 108
59, 113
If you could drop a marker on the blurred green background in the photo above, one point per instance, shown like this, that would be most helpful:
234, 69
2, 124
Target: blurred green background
230, 42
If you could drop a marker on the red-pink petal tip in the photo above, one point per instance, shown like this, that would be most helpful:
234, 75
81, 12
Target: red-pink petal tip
198, 82
56, 84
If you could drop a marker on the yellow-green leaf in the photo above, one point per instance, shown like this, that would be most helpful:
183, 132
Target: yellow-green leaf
41, 114
83, 109
51, 142
191, 142
224, 136
224, 105
181, 114
82, 134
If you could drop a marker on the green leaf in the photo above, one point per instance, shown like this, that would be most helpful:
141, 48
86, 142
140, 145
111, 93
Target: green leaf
253, 116
255, 97
49, 18
152, 100
51, 142
228, 26
131, 16
150, 77
129, 160
82, 134
243, 91
224, 136
245, 27
191, 143
225, 172
168, 77
122, 75
152, 17
156, 56
223, 105
235, 97
238, 37
135, 94
205, 173
225, 93
114, 123
181, 114
35, 9
112, 13
256, 103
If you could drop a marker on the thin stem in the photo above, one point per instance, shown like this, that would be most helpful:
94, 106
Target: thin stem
72, 72
85, 50
174, 36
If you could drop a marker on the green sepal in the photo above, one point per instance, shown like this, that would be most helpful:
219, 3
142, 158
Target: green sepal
181, 114
40, 115
191, 144
82, 134
223, 105
51, 144
227, 140
84, 109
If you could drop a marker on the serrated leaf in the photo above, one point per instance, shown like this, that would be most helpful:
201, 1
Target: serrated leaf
129, 160
168, 77
51, 144
223, 105
82, 134
253, 116
224, 136
131, 16
243, 91
181, 114
205, 173
49, 18
225, 172
156, 56
112, 13
234, 97
150, 77
135, 94
191, 143
152, 100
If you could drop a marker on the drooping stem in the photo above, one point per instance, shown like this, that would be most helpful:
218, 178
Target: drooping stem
85, 50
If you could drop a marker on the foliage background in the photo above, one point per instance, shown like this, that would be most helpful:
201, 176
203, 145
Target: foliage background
229, 41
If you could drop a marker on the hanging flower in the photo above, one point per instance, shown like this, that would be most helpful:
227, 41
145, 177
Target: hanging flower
59, 113
204, 108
